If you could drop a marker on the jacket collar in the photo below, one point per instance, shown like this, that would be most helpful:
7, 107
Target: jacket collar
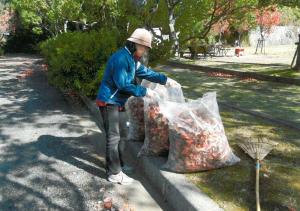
134, 57
128, 50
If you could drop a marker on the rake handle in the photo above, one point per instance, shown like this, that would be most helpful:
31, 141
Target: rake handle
257, 186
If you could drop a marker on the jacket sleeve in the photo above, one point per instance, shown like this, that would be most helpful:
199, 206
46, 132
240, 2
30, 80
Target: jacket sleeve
123, 84
150, 75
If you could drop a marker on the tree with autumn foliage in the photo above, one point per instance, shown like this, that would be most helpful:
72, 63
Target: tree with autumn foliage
266, 19
193, 19
242, 23
221, 27
199, 20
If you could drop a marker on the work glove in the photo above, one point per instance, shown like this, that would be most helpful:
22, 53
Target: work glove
171, 83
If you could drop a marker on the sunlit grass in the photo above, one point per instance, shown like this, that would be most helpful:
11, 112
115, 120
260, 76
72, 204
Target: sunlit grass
233, 187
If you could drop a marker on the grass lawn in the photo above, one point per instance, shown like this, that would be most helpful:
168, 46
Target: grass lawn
275, 63
273, 70
233, 187
276, 99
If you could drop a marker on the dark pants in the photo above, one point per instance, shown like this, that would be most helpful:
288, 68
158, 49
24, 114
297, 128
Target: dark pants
114, 124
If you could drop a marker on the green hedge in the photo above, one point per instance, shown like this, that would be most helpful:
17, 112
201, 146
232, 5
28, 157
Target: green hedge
160, 52
77, 59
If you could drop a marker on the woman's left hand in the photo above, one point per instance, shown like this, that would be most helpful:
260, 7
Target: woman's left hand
171, 82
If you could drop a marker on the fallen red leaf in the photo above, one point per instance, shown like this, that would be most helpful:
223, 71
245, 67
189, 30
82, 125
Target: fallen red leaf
220, 74
107, 203
226, 75
45, 67
25, 74
249, 79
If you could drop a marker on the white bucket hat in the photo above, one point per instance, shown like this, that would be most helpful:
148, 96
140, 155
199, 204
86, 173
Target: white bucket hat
141, 36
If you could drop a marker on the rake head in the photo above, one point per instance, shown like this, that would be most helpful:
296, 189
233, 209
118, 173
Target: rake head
257, 149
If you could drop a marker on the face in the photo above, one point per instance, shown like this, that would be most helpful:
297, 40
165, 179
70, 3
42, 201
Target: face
141, 50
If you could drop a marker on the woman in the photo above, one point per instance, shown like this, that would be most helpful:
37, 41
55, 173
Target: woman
118, 84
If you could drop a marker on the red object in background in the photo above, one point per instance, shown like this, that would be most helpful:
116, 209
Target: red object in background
239, 52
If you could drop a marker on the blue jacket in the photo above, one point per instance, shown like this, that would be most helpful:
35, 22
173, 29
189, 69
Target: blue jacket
118, 82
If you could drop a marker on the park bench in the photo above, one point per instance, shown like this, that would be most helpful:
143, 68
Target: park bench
221, 50
201, 50
205, 50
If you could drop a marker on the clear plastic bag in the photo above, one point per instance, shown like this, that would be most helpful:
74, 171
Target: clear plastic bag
135, 111
197, 136
156, 124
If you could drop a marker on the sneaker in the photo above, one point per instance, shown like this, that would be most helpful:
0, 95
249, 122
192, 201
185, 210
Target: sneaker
120, 178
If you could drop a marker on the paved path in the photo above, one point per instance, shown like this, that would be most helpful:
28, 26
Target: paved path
51, 153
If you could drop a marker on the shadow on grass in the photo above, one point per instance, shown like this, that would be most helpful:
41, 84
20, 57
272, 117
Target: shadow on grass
233, 187
278, 100
266, 69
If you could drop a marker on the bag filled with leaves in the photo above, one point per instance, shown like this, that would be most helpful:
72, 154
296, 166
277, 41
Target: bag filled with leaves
135, 111
156, 124
197, 137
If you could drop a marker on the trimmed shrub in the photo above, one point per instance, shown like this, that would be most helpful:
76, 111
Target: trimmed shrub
77, 59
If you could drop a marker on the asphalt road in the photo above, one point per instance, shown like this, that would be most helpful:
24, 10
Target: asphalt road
51, 152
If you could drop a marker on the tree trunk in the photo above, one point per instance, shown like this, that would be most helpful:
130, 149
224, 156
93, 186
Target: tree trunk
66, 26
1, 38
261, 32
173, 34
297, 66
240, 36
77, 26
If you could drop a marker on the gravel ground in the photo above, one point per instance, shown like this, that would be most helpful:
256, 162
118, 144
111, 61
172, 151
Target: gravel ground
51, 153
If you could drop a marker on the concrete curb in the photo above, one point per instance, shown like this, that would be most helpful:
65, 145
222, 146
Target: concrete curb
241, 74
174, 188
